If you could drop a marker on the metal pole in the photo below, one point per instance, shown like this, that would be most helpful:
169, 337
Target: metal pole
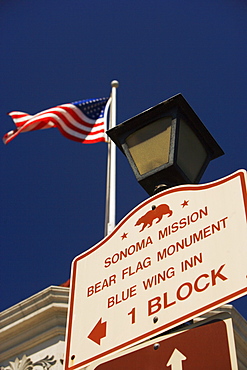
110, 214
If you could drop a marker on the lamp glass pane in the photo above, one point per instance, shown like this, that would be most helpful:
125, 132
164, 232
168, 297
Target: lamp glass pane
191, 152
150, 146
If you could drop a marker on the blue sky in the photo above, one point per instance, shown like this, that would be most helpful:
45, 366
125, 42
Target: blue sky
59, 51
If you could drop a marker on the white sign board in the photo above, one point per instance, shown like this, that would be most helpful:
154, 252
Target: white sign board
178, 254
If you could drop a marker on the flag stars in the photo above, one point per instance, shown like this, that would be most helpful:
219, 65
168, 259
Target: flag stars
93, 108
185, 203
124, 236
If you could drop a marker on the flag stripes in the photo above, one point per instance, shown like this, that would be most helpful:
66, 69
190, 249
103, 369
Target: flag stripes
72, 120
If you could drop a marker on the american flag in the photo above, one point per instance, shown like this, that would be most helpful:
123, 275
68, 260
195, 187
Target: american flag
83, 121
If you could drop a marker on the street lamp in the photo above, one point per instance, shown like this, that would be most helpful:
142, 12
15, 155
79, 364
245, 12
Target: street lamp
166, 145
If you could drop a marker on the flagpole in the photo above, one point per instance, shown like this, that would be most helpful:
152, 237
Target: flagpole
110, 213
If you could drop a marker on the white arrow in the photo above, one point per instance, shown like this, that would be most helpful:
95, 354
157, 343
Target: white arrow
175, 361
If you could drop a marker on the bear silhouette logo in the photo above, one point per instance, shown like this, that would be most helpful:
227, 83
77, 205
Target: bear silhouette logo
156, 212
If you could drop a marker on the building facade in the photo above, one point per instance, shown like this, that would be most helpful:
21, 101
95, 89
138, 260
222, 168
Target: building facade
32, 332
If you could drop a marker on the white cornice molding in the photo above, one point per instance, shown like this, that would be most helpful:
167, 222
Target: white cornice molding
33, 321
52, 294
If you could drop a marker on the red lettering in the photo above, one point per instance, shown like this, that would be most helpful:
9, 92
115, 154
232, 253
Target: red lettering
123, 296
105, 284
132, 291
224, 221
90, 291
124, 272
132, 313
98, 287
107, 262
166, 305
152, 303
182, 223
117, 298
184, 291
110, 302
206, 232
112, 279
196, 284
140, 266
214, 275
132, 272
174, 227
190, 288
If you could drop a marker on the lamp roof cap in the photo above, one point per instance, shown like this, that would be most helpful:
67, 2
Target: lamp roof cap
176, 103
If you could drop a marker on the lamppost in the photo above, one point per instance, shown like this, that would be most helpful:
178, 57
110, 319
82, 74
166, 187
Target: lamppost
166, 145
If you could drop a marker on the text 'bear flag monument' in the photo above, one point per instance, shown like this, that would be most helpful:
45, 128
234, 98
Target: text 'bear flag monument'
83, 121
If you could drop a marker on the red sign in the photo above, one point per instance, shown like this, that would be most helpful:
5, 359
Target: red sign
205, 347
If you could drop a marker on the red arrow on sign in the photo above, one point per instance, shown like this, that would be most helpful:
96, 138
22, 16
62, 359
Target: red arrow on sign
98, 332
